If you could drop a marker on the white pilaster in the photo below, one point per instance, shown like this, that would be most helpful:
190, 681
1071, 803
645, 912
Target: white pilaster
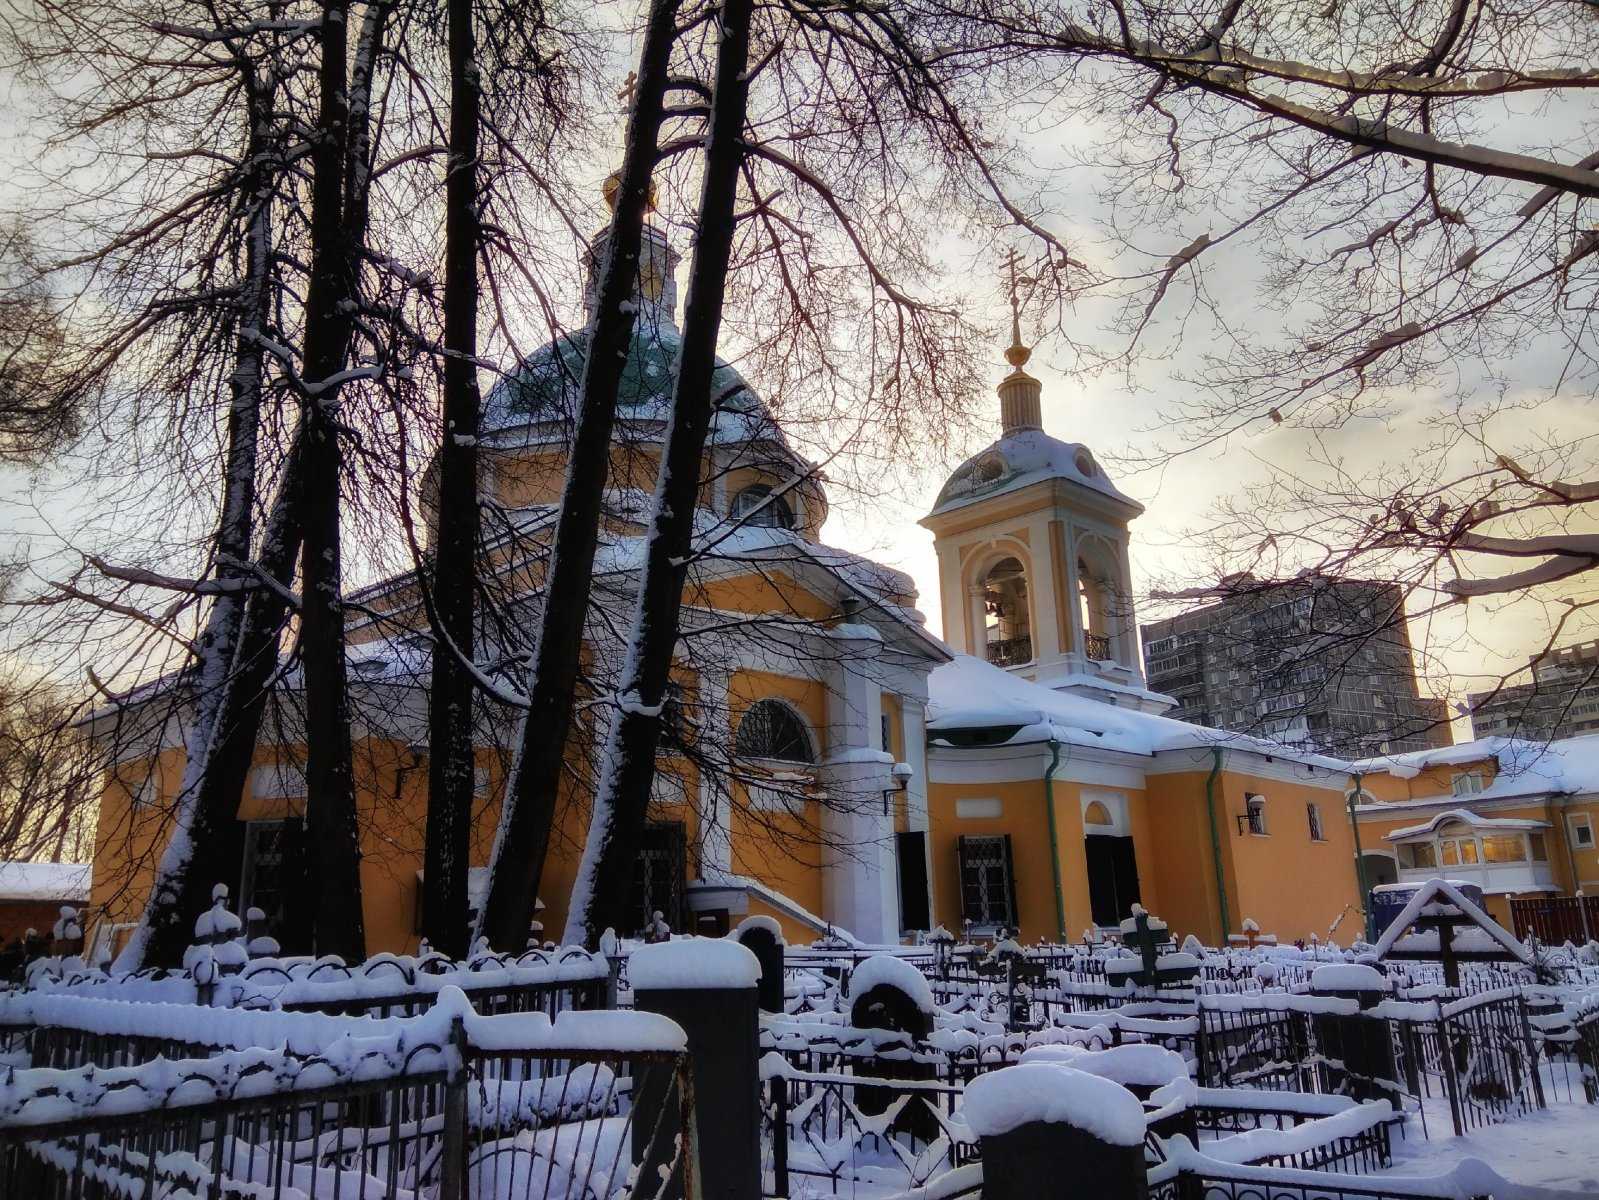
860, 880
716, 809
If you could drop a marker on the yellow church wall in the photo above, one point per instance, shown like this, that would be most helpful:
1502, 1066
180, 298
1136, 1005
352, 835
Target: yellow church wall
129, 837
1287, 883
1022, 817
770, 591
1180, 856
1290, 884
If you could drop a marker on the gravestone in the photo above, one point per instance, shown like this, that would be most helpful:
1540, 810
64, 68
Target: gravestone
763, 937
890, 994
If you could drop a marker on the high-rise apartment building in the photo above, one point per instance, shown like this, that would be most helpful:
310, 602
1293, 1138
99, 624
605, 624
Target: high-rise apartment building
1322, 664
1561, 701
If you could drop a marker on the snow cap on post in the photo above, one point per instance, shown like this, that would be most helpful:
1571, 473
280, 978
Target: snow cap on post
1348, 977
692, 964
1007, 1099
895, 972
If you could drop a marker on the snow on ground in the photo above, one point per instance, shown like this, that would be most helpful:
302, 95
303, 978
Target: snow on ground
1557, 1148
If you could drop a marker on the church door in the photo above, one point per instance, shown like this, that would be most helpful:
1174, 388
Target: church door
1112, 877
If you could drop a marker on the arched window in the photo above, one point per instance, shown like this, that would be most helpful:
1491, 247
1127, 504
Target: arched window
757, 505
1097, 814
1007, 627
770, 729
1098, 598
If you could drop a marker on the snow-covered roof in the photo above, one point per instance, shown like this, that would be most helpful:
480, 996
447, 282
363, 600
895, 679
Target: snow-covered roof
1413, 763
1525, 768
1466, 817
968, 693
1021, 458
45, 881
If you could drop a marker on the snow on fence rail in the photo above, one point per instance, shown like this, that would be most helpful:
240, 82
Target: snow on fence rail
452, 1103
384, 985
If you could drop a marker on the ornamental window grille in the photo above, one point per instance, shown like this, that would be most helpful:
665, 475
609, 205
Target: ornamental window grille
770, 729
758, 505
1255, 814
269, 847
988, 885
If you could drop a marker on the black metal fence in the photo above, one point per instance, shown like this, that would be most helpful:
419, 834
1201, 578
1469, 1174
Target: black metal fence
448, 1118
1478, 1052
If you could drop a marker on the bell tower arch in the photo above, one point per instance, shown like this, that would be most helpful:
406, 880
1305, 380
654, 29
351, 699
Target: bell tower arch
1032, 540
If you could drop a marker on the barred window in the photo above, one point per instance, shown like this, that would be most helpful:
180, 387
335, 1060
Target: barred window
770, 729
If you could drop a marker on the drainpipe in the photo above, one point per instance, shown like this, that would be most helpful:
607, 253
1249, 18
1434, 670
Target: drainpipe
1360, 858
1215, 838
1054, 839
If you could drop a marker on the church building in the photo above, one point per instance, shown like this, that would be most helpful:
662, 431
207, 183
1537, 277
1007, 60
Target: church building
833, 763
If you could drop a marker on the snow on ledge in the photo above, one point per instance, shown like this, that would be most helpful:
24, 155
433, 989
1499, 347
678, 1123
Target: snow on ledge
693, 964
1011, 1097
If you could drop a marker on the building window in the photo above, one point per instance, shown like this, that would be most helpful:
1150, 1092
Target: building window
1467, 783
1581, 831
1007, 624
1255, 814
888, 741
264, 884
988, 895
759, 506
1313, 816
1503, 848
1457, 852
771, 729
658, 877
1414, 856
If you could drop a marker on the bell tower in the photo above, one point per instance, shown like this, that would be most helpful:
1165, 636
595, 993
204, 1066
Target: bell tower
1032, 543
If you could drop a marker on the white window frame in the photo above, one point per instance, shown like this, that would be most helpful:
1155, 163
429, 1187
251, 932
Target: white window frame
1582, 821
1466, 783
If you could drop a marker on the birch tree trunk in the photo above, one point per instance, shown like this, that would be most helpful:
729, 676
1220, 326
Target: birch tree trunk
454, 583
522, 839
628, 764
330, 298
203, 848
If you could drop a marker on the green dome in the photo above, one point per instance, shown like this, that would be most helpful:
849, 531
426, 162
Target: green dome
545, 387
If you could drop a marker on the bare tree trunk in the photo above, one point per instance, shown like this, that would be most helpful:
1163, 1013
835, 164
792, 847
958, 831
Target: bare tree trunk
454, 582
330, 784
204, 838
628, 764
522, 840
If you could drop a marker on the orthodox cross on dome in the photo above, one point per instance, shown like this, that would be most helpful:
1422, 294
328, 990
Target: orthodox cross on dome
629, 90
1016, 354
